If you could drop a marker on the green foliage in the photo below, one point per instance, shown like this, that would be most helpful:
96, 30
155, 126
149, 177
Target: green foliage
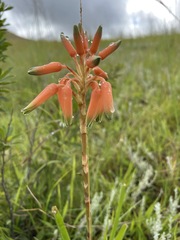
60, 223
133, 157
6, 135
4, 74
3, 42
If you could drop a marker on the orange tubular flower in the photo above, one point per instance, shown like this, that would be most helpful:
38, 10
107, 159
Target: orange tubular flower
107, 98
48, 92
69, 47
45, 69
96, 40
65, 100
85, 41
83, 37
110, 49
76, 83
99, 72
95, 107
78, 41
101, 101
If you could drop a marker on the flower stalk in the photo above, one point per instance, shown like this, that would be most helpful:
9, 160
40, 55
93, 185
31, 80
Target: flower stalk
85, 170
75, 85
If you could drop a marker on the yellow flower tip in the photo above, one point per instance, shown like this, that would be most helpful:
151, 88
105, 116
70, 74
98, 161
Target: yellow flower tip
68, 120
96, 40
110, 49
69, 47
33, 71
118, 43
93, 61
78, 41
47, 68
28, 109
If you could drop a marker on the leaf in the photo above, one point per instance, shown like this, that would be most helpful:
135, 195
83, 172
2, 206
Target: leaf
121, 232
4, 90
115, 223
4, 74
60, 223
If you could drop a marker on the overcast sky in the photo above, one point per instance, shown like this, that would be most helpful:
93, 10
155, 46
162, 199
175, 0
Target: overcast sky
48, 18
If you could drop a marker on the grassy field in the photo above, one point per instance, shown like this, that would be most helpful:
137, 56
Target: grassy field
134, 157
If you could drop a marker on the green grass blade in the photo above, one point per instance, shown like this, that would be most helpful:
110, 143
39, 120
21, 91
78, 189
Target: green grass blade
121, 232
122, 197
60, 223
72, 182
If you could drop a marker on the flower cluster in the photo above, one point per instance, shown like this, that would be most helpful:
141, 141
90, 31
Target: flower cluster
76, 83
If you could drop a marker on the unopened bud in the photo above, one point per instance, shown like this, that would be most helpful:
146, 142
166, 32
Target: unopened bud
45, 69
110, 49
69, 47
78, 41
96, 40
93, 61
99, 72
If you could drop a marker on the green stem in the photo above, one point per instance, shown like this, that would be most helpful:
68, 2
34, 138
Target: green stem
3, 180
85, 167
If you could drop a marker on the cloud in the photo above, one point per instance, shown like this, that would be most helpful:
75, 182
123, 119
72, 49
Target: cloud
151, 24
48, 18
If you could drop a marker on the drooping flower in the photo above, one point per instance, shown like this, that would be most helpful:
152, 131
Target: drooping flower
43, 96
75, 84
107, 97
101, 101
65, 99
95, 104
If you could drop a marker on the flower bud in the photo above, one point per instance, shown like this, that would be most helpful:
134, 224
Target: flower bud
93, 61
78, 41
110, 49
96, 40
48, 92
99, 72
85, 41
69, 47
45, 69
83, 37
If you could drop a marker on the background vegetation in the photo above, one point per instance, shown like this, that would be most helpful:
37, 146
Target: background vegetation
134, 157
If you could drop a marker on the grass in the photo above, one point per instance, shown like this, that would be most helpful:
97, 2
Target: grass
134, 157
